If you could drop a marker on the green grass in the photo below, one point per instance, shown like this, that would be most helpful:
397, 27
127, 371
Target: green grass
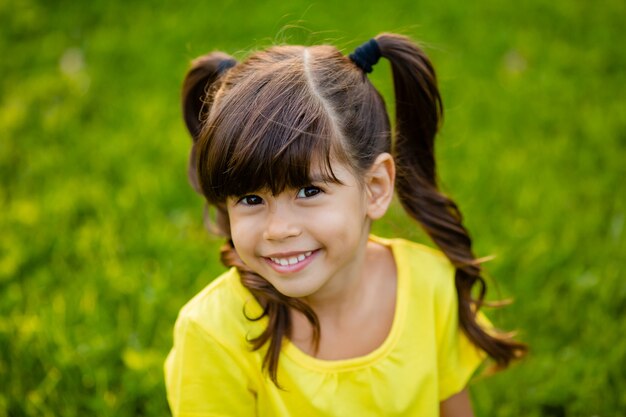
101, 238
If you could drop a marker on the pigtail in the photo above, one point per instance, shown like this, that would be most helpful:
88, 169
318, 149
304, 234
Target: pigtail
198, 90
418, 114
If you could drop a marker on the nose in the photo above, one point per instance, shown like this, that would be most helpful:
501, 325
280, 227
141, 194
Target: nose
281, 223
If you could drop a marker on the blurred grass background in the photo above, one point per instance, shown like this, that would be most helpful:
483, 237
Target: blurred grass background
101, 238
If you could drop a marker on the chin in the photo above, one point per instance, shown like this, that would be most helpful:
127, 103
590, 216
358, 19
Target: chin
295, 291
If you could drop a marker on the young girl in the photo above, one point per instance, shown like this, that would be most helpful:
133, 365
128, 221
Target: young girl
316, 317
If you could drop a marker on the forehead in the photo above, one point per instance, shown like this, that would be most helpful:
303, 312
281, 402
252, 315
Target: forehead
283, 159
293, 173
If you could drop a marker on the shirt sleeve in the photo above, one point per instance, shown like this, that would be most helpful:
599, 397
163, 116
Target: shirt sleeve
457, 357
204, 378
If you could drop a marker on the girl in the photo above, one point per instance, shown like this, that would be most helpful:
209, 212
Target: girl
316, 317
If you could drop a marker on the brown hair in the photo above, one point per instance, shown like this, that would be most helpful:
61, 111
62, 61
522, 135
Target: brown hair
260, 123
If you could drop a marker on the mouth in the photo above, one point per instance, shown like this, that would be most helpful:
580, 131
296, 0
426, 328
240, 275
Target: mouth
290, 262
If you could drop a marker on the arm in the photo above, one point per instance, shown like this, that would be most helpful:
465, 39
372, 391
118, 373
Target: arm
458, 358
459, 405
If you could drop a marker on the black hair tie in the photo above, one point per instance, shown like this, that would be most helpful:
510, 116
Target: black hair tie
225, 65
366, 55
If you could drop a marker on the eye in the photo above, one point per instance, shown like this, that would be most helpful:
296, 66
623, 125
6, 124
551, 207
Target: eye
310, 191
250, 200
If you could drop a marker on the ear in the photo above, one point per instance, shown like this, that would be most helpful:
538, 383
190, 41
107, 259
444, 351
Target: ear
379, 185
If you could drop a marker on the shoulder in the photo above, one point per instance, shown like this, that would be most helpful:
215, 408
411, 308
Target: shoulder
218, 310
203, 304
418, 255
428, 268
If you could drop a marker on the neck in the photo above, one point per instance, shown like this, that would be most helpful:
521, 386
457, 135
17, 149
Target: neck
347, 294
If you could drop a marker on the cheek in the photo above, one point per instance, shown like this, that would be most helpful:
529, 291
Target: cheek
341, 221
243, 235
336, 221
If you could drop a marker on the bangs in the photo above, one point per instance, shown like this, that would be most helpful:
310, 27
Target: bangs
273, 137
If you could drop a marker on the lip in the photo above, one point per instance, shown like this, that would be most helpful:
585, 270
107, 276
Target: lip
289, 269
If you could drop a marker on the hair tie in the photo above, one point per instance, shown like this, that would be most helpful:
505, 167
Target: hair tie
366, 55
225, 65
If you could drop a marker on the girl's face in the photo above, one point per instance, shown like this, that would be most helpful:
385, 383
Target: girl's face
304, 241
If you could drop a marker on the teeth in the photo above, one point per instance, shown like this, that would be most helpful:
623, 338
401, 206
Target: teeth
292, 260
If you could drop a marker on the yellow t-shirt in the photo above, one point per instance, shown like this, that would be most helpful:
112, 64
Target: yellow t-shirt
425, 359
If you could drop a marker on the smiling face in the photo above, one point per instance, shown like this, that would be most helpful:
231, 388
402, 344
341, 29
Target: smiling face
304, 241
274, 126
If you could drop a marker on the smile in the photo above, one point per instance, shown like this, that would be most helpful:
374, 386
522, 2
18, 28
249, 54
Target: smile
292, 260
